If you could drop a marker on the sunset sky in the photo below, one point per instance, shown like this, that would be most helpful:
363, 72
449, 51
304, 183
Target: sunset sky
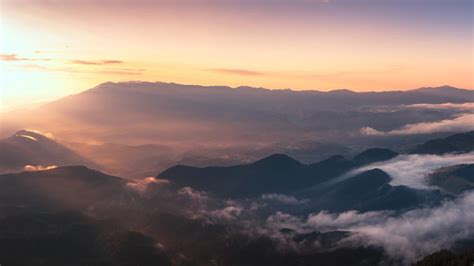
54, 48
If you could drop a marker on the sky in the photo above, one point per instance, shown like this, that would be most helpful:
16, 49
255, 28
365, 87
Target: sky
53, 48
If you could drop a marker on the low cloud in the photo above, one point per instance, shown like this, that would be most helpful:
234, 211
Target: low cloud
408, 236
411, 170
420, 232
226, 214
142, 184
461, 123
195, 195
34, 168
290, 200
443, 106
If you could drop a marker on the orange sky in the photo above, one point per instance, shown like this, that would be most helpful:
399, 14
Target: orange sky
54, 48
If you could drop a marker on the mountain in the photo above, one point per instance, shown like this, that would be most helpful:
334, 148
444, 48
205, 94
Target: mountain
71, 238
369, 191
62, 188
455, 179
448, 91
32, 148
168, 123
458, 143
277, 173
447, 258
374, 155
169, 112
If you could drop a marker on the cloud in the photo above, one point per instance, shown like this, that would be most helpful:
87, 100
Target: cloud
226, 214
281, 220
193, 194
326, 221
422, 231
114, 71
142, 185
102, 62
448, 106
15, 57
411, 170
408, 236
291, 200
463, 122
232, 71
34, 168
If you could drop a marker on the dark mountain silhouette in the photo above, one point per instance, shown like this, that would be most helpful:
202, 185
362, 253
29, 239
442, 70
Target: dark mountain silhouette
62, 188
70, 238
460, 143
454, 179
370, 190
277, 173
31, 148
374, 155
447, 258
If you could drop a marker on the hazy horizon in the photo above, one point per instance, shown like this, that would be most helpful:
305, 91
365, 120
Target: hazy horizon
360, 45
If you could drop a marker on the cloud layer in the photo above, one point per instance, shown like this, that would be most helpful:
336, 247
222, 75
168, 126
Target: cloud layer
463, 121
411, 170
408, 236
458, 124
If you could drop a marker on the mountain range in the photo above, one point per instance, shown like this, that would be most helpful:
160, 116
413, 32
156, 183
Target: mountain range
99, 217
168, 123
169, 174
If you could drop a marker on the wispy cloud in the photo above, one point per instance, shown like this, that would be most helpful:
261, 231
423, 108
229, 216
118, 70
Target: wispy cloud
285, 199
233, 71
15, 57
411, 170
444, 106
111, 71
100, 62
464, 122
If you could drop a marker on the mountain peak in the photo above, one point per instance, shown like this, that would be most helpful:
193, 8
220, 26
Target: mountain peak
31, 135
342, 91
439, 88
277, 160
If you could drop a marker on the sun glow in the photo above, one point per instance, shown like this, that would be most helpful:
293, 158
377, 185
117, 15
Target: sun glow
302, 45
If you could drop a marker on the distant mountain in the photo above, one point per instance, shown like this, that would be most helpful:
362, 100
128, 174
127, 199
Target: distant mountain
463, 142
31, 148
447, 91
277, 173
455, 179
159, 112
